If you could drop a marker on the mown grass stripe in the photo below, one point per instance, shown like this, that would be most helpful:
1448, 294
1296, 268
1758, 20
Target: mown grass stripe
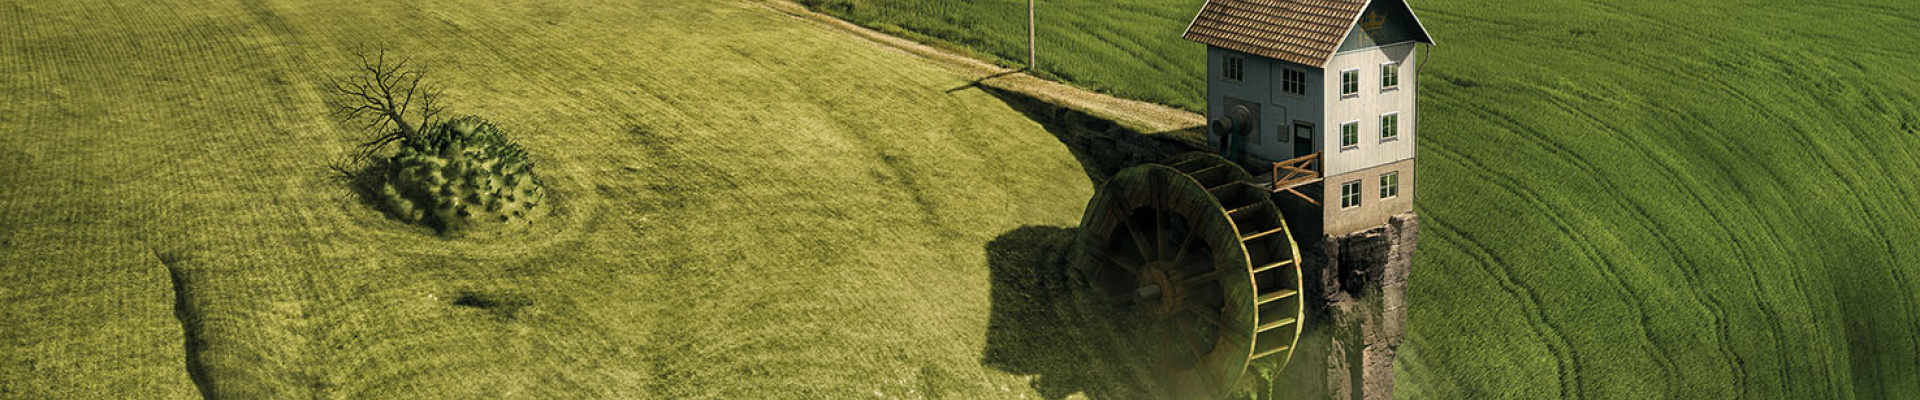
1564, 356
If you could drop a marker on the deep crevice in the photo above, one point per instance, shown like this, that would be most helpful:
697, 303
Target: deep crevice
189, 318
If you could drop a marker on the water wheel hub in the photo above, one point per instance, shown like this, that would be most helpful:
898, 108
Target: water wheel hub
1160, 292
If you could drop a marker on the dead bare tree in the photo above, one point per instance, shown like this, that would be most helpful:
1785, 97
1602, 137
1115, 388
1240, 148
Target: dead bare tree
381, 98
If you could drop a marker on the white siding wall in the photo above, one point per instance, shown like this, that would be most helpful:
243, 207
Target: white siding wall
1367, 107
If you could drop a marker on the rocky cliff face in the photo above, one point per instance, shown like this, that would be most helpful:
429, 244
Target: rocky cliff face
1356, 316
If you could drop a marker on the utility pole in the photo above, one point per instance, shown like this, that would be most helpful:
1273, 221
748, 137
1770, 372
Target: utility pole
1031, 66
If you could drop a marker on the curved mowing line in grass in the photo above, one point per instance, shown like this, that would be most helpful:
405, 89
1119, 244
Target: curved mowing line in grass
1569, 366
1873, 218
1610, 270
1741, 247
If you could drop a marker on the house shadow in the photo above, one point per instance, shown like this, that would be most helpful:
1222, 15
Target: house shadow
1101, 146
1039, 326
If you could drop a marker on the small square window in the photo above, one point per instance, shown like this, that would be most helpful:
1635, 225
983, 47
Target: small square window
1390, 185
1349, 82
1350, 194
1389, 126
1350, 134
1235, 69
1293, 81
1389, 76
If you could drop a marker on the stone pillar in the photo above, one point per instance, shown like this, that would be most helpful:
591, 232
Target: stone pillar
1356, 314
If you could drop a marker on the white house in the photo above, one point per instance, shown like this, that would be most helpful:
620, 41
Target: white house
1291, 78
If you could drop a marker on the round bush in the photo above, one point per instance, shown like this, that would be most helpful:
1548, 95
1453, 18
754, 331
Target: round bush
461, 174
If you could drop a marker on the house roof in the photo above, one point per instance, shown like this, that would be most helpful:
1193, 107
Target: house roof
1302, 31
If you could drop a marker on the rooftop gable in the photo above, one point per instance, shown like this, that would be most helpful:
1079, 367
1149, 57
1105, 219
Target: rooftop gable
1301, 31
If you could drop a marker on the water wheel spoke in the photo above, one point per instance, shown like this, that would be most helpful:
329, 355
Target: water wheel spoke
1182, 253
1193, 342
1139, 241
1129, 265
1206, 277
1209, 315
1159, 231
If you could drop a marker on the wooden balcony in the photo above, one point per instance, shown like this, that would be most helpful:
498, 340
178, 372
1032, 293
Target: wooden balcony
1288, 176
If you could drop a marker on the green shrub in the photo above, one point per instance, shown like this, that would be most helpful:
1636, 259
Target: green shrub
462, 174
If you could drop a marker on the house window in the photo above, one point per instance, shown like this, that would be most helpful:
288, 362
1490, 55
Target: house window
1350, 82
1350, 134
1389, 76
1390, 185
1390, 126
1293, 81
1350, 194
1235, 69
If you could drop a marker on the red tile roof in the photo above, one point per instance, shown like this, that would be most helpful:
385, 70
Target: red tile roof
1301, 31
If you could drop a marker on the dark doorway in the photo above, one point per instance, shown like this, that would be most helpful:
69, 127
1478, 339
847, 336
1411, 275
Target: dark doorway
1302, 139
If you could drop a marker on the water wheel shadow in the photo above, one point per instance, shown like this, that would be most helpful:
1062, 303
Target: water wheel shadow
1038, 326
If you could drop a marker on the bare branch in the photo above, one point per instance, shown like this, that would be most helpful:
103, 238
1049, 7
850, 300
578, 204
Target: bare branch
381, 97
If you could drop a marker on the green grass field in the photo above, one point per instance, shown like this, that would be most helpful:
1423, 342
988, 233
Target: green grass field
1620, 200
749, 206
1632, 199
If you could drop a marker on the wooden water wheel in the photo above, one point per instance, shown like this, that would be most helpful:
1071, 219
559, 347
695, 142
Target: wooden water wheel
1199, 264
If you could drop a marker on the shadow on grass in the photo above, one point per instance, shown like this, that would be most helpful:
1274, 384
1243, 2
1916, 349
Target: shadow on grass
365, 179
1102, 146
1037, 327
188, 315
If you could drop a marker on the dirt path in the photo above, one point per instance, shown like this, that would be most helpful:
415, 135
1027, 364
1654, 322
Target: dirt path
1133, 114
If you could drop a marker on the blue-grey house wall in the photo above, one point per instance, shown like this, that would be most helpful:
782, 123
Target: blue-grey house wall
1278, 109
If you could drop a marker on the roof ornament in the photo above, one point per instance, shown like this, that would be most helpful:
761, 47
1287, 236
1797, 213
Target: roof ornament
1373, 22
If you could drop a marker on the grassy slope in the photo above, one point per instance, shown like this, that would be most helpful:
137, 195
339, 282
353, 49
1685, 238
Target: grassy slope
750, 206
1623, 199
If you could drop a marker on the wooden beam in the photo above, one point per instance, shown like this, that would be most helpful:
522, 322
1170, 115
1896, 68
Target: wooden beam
1272, 351
1264, 268
1263, 234
1310, 200
1275, 296
1273, 325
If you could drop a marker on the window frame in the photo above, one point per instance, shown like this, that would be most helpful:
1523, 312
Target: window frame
1354, 197
1390, 185
1384, 75
1344, 146
1235, 69
1344, 93
1287, 84
1384, 125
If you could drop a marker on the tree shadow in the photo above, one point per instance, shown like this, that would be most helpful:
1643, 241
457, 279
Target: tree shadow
364, 179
